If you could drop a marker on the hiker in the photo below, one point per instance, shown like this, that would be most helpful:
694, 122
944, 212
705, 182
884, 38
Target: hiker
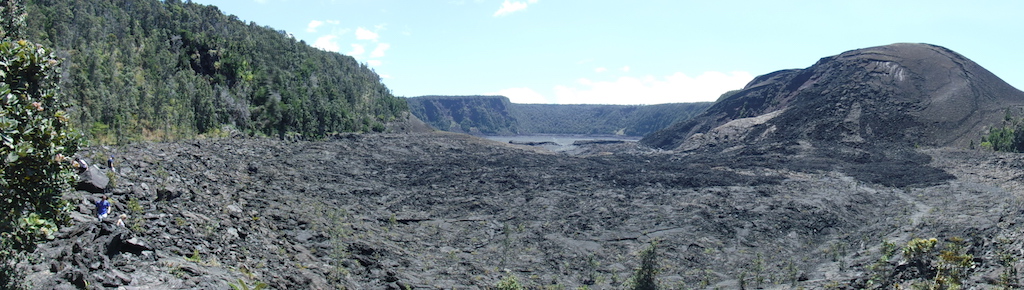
120, 220
102, 208
110, 163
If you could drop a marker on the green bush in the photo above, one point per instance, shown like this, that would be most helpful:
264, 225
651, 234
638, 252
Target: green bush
1006, 138
644, 277
36, 139
509, 283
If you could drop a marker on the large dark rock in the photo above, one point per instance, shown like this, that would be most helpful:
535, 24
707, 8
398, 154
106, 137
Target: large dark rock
899, 94
93, 180
124, 242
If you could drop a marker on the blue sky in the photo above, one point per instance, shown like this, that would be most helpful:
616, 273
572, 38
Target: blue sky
626, 52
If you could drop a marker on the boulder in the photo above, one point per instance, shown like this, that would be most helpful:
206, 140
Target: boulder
124, 242
93, 180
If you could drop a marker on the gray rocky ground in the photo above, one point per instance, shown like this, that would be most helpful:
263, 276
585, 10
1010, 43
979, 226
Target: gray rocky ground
442, 210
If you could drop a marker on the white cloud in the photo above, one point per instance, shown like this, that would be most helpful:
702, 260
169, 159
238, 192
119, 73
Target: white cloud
600, 70
311, 27
522, 96
675, 88
364, 34
625, 69
508, 7
357, 49
335, 22
374, 62
379, 51
328, 43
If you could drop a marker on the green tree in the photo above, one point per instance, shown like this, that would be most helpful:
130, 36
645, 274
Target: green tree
644, 277
35, 140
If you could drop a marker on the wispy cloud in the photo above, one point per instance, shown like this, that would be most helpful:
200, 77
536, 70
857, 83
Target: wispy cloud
365, 34
600, 70
311, 27
509, 7
364, 40
328, 43
357, 50
379, 51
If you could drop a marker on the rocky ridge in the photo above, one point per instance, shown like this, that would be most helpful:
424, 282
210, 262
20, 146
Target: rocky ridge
901, 94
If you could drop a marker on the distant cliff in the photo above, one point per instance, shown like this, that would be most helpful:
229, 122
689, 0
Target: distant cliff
490, 115
496, 115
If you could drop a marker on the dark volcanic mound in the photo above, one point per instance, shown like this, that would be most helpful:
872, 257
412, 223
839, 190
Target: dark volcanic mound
894, 95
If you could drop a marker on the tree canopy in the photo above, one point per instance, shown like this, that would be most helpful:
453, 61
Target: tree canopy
163, 70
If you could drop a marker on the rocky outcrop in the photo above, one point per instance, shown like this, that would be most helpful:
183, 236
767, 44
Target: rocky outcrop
900, 94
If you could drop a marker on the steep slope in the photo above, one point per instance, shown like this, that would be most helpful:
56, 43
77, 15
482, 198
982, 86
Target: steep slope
894, 95
629, 120
162, 70
466, 114
495, 115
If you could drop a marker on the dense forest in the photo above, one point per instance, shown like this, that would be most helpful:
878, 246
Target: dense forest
162, 70
495, 115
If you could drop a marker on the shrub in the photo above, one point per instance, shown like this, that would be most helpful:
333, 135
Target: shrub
509, 283
36, 138
918, 250
644, 277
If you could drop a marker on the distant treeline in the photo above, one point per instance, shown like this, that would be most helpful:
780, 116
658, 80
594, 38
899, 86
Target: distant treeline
495, 115
160, 70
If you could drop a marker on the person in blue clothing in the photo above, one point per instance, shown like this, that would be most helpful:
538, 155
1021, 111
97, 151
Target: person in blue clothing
102, 208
